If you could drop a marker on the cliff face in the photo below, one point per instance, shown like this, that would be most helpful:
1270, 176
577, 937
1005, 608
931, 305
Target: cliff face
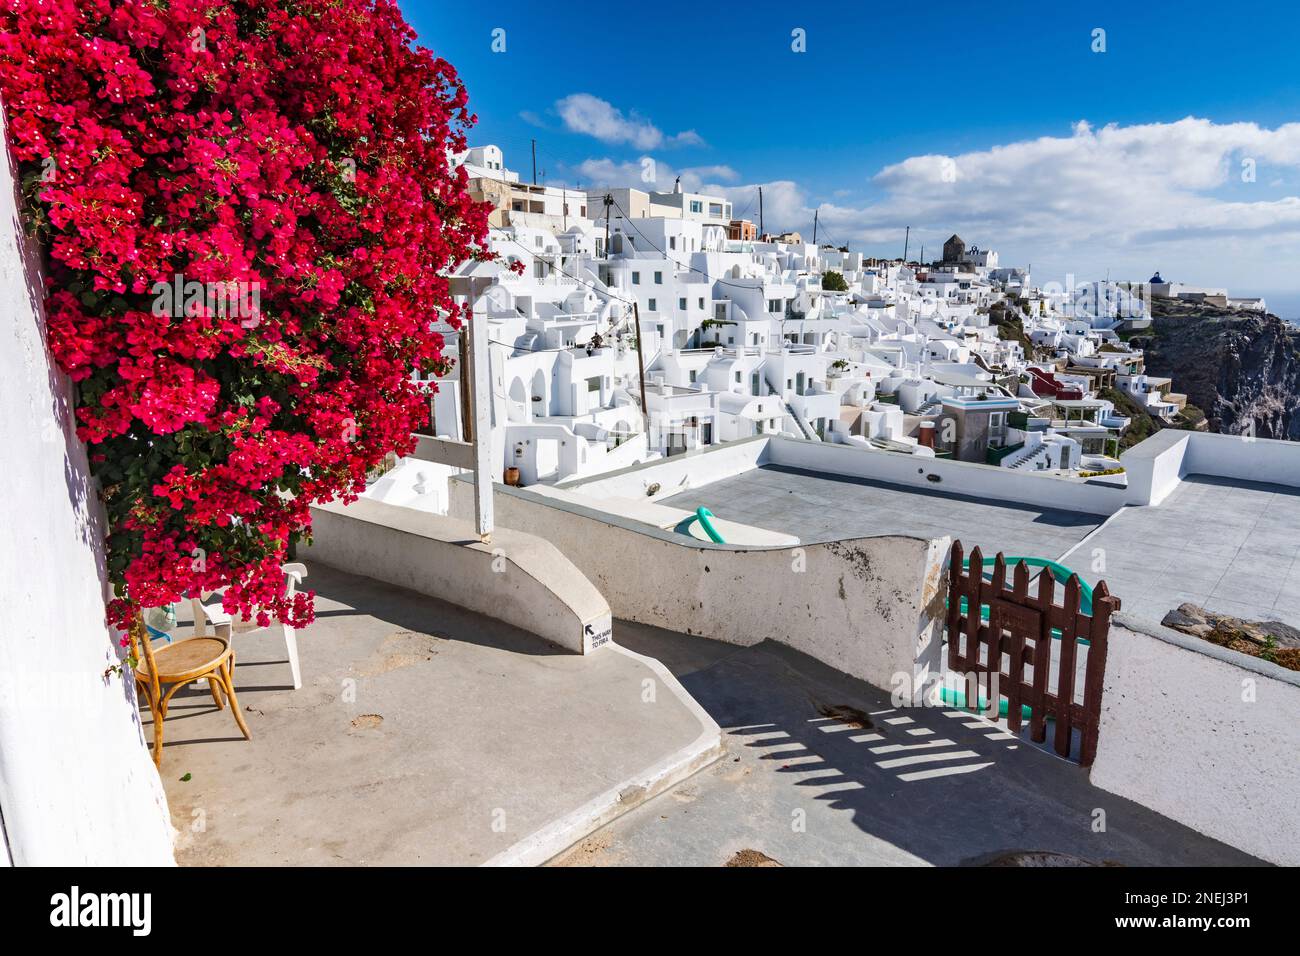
1238, 367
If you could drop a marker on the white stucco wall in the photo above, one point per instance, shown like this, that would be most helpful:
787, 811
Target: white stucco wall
676, 474
77, 785
1155, 466
1249, 459
870, 607
1205, 736
517, 578
956, 477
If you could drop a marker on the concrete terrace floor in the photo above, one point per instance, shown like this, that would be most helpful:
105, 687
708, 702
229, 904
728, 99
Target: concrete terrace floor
820, 507
920, 786
423, 734
1226, 545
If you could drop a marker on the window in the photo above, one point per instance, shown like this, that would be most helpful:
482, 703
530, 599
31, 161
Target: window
652, 305
636, 278
537, 241
720, 312
738, 379
659, 278
715, 210
672, 242
701, 302
774, 305
681, 304
593, 384
697, 206
584, 212
692, 376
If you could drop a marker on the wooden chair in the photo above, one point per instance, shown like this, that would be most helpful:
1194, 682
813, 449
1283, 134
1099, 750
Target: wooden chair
197, 658
213, 613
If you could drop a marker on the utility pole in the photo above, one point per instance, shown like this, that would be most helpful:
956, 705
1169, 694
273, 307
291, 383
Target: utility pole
906, 238
534, 162
815, 227
760, 212
922, 253
609, 201
640, 362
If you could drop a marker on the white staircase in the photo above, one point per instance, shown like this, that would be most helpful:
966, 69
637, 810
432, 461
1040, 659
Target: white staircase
1032, 460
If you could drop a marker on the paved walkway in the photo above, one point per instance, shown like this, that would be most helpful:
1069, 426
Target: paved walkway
915, 787
820, 507
423, 734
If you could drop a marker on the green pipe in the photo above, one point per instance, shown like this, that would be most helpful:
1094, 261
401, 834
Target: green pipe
703, 515
1059, 571
955, 698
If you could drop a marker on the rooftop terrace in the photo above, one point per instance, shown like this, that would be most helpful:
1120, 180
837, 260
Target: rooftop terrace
816, 506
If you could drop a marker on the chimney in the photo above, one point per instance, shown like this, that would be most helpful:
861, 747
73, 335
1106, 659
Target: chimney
925, 436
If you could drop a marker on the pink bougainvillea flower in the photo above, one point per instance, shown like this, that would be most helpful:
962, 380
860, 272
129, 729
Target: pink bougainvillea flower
248, 213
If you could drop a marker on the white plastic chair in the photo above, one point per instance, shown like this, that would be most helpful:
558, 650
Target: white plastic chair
215, 615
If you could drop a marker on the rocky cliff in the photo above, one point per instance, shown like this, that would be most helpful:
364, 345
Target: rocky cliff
1241, 368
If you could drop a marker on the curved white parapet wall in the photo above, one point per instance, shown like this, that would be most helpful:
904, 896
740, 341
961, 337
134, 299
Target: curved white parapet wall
518, 579
870, 607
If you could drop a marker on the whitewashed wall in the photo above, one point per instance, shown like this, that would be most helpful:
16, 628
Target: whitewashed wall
77, 785
954, 477
870, 607
1205, 736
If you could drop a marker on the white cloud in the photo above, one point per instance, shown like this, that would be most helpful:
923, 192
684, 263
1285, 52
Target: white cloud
584, 113
1129, 199
647, 173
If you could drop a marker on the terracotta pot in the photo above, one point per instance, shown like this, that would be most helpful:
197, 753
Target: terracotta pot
512, 476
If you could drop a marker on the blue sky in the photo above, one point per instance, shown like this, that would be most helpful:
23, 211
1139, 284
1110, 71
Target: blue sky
941, 116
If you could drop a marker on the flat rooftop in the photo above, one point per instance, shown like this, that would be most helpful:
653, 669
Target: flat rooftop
817, 506
1224, 544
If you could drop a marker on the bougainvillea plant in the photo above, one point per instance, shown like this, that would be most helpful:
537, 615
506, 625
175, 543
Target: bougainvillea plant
248, 215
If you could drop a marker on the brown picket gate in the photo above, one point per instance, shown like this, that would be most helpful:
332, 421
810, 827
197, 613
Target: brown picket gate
1019, 629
